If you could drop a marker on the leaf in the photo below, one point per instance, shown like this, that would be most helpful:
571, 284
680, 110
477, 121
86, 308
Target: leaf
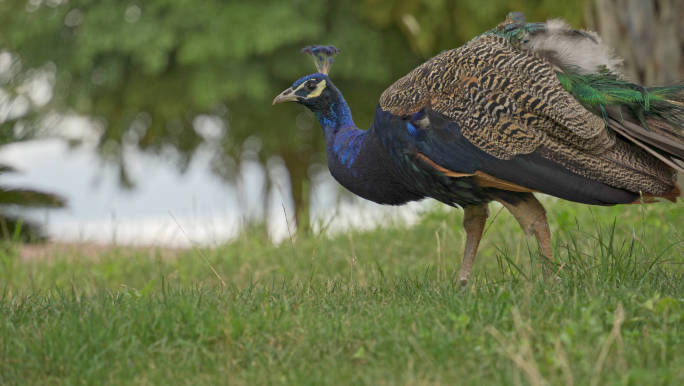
30, 198
7, 169
360, 353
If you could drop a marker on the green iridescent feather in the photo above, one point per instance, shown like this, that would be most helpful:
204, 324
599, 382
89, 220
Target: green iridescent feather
599, 91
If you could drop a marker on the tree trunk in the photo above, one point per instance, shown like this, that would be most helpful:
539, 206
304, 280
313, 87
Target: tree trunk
297, 166
647, 34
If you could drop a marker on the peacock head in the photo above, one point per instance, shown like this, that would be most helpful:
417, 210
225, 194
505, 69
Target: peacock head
314, 91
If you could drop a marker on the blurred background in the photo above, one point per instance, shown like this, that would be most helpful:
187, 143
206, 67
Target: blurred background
150, 122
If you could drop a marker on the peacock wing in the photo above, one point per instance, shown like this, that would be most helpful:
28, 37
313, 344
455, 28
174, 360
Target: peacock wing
506, 99
509, 102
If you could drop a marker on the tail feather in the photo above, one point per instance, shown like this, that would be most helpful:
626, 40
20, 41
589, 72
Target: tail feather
650, 142
650, 117
670, 109
659, 128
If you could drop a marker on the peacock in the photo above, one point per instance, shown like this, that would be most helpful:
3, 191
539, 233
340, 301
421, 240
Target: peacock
523, 108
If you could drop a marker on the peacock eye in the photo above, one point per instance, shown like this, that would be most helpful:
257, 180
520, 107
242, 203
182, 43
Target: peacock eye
310, 85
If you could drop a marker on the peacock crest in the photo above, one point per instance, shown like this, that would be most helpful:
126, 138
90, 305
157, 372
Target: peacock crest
322, 56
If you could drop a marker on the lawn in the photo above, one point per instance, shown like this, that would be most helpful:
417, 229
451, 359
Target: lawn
373, 307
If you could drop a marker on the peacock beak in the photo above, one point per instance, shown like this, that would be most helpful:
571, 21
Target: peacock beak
286, 96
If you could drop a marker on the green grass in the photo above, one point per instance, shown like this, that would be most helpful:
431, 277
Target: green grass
379, 307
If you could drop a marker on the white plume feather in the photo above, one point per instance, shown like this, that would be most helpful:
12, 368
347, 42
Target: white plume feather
568, 48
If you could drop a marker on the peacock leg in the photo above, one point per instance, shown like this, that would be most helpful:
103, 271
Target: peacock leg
474, 219
532, 218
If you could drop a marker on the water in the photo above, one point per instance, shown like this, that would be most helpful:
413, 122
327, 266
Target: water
172, 209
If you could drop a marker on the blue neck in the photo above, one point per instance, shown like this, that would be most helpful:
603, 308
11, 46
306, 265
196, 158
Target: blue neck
356, 158
343, 139
336, 116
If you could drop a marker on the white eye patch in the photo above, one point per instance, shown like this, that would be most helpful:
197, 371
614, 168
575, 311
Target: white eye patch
316, 92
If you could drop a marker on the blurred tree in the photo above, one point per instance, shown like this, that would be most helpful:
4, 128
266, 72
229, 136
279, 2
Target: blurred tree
146, 70
648, 34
